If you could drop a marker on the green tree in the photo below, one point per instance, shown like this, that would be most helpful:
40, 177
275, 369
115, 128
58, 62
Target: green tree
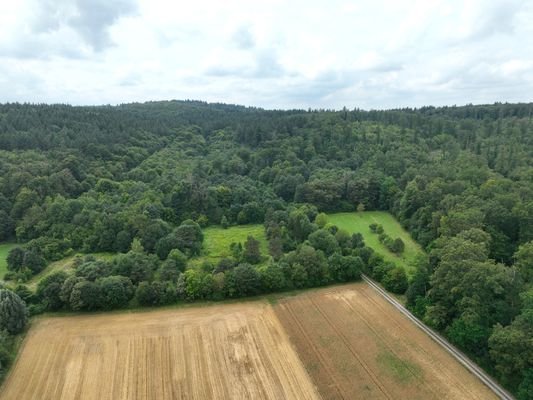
325, 241
524, 261
243, 280
85, 296
189, 237
13, 312
525, 389
34, 261
321, 220
273, 278
49, 290
115, 291
15, 259
224, 222
395, 280
252, 253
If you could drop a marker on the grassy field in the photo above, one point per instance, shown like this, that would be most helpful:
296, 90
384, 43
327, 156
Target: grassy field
4, 250
217, 240
355, 345
359, 222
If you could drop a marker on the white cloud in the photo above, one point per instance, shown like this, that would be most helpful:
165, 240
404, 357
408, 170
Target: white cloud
275, 54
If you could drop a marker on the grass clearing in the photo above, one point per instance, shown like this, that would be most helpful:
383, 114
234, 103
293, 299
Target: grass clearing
217, 241
5, 248
358, 223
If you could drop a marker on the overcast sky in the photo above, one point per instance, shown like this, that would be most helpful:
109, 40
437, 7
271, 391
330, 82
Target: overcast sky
272, 54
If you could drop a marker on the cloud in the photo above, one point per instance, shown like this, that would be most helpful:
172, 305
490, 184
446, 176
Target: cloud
71, 29
94, 18
273, 54
243, 38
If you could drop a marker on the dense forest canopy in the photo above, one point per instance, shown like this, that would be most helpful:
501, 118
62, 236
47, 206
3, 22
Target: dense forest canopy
141, 179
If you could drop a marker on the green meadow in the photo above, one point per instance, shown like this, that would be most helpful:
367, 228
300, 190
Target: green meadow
359, 222
217, 241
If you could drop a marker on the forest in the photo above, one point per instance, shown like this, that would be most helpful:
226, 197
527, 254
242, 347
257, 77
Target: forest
141, 181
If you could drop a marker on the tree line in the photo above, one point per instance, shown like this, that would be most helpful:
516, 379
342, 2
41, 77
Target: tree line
459, 179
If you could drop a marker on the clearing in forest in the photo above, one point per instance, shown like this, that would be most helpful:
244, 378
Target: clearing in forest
355, 345
232, 351
217, 240
358, 222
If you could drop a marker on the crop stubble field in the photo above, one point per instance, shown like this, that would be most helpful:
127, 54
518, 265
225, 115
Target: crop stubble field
355, 345
221, 352
334, 343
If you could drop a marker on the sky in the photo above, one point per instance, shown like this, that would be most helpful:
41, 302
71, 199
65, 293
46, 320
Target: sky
273, 54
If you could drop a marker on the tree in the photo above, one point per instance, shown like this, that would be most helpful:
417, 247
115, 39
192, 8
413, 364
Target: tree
524, 261
325, 241
299, 225
165, 245
13, 312
252, 254
93, 269
15, 259
395, 280
345, 268
115, 291
469, 333
275, 247
85, 296
49, 290
66, 288
315, 264
198, 284
189, 237
146, 294
34, 261
321, 220
419, 285
243, 280
397, 246
525, 389
224, 222
272, 278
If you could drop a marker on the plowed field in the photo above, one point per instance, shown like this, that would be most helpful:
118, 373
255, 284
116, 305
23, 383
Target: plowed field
222, 352
355, 345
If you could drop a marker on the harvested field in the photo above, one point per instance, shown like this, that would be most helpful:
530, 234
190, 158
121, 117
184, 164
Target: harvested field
236, 351
355, 345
